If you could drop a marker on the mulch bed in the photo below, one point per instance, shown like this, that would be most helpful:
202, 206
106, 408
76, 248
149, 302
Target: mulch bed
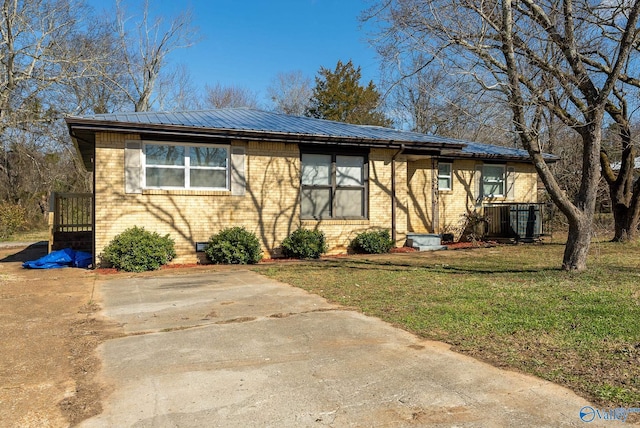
396, 250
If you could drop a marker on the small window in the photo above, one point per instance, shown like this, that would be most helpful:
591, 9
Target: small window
181, 166
493, 180
316, 170
333, 186
444, 176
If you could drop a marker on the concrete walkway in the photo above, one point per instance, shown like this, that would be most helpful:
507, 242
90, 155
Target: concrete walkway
235, 349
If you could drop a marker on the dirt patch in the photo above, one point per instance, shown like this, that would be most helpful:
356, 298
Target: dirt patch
50, 328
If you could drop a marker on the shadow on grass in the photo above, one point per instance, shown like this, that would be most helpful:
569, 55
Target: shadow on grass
365, 264
594, 269
32, 252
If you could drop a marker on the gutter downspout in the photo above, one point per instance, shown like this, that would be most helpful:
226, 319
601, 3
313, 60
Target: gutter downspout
393, 192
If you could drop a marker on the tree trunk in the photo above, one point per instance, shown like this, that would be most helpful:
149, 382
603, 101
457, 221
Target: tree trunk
580, 214
576, 249
621, 219
623, 191
626, 216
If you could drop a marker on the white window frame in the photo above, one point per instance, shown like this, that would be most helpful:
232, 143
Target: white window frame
501, 180
448, 177
187, 165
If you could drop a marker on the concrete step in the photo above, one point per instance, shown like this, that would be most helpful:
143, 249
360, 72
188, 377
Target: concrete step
425, 241
430, 247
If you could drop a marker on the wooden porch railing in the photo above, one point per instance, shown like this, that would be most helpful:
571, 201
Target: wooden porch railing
72, 212
71, 221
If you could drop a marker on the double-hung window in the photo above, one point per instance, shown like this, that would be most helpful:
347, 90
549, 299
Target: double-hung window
184, 166
444, 176
493, 180
333, 186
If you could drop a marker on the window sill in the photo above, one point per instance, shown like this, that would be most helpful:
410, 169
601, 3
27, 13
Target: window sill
329, 222
186, 192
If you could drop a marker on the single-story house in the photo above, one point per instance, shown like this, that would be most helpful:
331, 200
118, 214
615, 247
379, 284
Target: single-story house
191, 174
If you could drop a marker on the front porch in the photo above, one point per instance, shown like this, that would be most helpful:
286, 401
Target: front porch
71, 221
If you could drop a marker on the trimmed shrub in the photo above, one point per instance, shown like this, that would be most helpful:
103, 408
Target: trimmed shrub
374, 242
304, 244
12, 219
138, 250
234, 245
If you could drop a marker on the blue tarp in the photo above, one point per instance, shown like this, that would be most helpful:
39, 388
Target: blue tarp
60, 259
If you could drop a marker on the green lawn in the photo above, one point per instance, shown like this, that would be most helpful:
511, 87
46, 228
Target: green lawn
508, 305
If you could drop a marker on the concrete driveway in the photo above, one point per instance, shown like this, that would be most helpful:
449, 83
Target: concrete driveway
235, 349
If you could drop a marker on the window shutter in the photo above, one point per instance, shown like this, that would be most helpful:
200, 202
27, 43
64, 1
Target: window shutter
510, 183
477, 184
132, 167
238, 181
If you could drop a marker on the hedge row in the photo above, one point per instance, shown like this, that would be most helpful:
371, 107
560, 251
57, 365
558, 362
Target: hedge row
137, 250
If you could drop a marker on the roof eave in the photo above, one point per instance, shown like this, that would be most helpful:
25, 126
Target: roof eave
497, 157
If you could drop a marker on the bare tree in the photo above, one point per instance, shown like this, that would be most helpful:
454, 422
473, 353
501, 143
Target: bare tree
34, 57
145, 49
177, 92
218, 96
290, 92
431, 100
624, 188
41, 56
564, 58
95, 87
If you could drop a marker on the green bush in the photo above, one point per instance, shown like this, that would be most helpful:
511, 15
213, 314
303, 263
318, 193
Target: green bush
137, 250
304, 244
12, 219
234, 245
374, 242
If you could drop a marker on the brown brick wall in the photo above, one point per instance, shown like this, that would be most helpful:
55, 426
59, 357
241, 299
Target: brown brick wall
339, 233
460, 200
270, 207
420, 218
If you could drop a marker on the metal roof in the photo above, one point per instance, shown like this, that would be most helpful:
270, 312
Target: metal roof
245, 119
237, 122
488, 150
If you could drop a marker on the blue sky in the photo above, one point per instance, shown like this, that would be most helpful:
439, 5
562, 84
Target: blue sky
247, 42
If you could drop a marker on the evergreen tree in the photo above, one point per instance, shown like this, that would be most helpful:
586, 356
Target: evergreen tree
339, 96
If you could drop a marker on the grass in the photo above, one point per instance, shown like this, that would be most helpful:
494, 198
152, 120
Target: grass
29, 236
508, 305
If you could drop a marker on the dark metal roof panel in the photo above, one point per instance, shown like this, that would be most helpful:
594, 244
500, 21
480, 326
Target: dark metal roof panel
243, 119
489, 150
250, 120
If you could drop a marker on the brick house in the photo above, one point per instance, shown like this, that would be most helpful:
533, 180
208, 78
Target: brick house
191, 174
